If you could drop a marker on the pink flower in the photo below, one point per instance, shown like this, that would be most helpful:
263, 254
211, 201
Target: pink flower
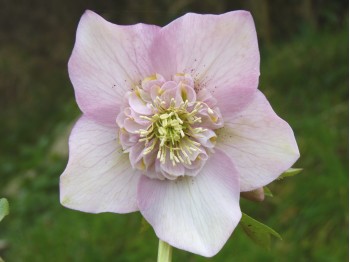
173, 125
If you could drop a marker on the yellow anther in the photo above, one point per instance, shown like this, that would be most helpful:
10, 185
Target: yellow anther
150, 78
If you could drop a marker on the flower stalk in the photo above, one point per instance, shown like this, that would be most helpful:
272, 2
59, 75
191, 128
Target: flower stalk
164, 252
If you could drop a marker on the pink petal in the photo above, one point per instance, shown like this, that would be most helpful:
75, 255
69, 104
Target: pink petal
149, 82
136, 154
185, 79
131, 126
197, 214
206, 97
172, 172
219, 51
260, 144
198, 159
139, 105
127, 139
207, 138
106, 62
98, 177
185, 92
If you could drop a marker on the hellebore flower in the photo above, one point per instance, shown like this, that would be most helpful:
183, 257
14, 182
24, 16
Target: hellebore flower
173, 125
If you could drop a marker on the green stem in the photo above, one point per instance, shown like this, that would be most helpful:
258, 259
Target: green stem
164, 252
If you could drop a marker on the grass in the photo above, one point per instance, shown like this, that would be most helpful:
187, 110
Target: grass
306, 81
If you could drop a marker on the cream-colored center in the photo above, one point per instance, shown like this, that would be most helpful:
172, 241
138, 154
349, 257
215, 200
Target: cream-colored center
172, 128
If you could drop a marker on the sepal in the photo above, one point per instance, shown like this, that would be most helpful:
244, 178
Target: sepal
258, 232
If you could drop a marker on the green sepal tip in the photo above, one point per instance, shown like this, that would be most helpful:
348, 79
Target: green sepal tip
290, 172
4, 208
258, 232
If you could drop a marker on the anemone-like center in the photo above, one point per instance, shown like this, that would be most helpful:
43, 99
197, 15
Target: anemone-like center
171, 128
167, 127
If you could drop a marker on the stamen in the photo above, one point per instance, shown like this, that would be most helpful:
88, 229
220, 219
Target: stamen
171, 128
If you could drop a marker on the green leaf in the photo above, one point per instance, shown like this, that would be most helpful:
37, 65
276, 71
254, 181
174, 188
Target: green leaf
258, 232
1, 260
267, 192
4, 208
290, 172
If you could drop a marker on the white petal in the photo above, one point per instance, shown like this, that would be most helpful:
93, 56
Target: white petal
260, 144
98, 177
197, 214
107, 61
220, 51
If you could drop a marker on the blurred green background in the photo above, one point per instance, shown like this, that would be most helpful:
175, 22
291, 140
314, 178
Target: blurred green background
304, 74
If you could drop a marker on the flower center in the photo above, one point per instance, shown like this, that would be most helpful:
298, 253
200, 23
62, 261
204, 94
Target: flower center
167, 127
171, 128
